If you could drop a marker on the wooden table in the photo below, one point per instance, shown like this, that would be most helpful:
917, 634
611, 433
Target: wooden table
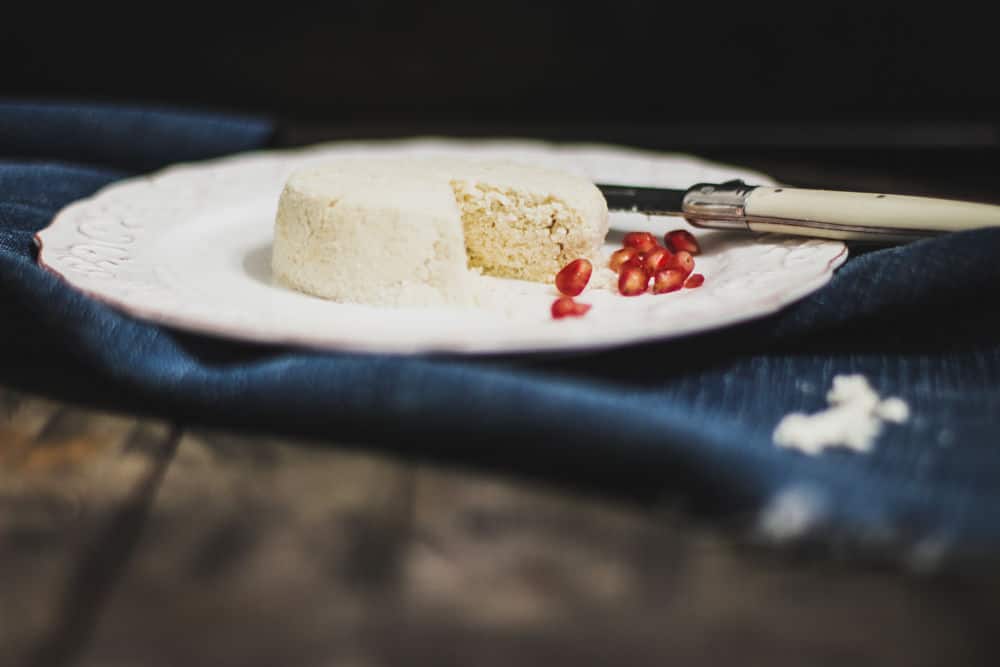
127, 541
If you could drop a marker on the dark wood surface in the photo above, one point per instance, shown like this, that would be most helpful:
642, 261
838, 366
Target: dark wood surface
126, 541
131, 542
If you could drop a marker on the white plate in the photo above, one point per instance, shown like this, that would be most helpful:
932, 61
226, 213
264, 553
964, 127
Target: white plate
190, 247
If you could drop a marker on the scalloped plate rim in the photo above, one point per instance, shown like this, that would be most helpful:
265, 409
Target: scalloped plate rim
198, 323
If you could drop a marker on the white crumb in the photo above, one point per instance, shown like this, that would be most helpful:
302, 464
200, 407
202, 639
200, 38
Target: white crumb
603, 278
853, 420
894, 410
853, 390
791, 513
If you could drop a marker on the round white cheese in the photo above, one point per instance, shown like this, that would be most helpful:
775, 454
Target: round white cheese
414, 233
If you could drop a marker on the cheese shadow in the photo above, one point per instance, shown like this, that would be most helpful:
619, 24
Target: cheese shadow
257, 265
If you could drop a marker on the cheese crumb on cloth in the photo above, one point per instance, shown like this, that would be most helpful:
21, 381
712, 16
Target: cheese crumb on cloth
853, 420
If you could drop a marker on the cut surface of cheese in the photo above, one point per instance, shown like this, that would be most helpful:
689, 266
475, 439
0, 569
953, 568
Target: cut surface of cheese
418, 232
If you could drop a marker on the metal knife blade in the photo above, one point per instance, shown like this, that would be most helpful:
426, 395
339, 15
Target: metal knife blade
654, 201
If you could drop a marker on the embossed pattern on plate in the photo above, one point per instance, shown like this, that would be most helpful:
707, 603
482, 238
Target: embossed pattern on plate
189, 247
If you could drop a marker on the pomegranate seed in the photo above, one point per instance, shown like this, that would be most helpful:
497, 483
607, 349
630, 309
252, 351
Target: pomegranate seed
565, 306
619, 257
574, 277
641, 241
682, 261
696, 280
656, 260
632, 281
634, 262
682, 239
668, 280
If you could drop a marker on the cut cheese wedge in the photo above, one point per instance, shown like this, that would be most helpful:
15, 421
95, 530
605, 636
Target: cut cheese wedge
418, 232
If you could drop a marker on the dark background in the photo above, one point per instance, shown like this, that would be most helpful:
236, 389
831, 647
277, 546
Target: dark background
903, 98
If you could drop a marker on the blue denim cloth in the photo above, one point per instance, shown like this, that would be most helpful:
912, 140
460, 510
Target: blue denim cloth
690, 419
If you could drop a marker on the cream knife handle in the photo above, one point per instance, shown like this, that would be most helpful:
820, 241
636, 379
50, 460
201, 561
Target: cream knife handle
856, 215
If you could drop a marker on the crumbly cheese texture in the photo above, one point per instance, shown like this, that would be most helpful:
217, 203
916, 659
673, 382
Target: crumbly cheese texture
853, 420
417, 232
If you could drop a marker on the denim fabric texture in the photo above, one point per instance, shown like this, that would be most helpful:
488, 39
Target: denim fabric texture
690, 419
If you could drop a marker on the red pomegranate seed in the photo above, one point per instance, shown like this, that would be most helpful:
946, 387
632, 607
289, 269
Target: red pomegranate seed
574, 277
635, 262
641, 241
632, 281
668, 280
682, 261
619, 257
682, 239
696, 280
565, 306
656, 260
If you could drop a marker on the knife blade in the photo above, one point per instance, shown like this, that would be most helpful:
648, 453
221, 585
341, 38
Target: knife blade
833, 214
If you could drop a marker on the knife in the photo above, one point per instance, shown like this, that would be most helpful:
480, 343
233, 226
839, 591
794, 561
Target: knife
854, 216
